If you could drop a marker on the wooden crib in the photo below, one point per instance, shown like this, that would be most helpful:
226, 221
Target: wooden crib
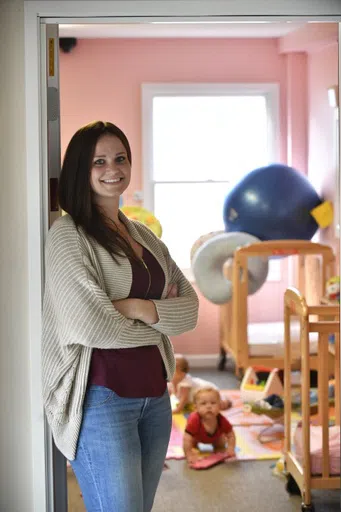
234, 326
312, 319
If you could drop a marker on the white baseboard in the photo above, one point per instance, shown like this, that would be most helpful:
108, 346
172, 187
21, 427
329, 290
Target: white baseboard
202, 360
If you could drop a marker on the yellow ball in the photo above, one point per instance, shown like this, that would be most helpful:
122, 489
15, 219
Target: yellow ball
145, 216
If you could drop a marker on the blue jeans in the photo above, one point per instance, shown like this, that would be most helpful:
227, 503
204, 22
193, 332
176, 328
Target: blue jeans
121, 450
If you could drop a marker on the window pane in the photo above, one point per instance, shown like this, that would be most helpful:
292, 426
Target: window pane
208, 137
187, 211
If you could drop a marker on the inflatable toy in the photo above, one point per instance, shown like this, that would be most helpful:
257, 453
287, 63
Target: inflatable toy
144, 216
198, 243
272, 203
210, 260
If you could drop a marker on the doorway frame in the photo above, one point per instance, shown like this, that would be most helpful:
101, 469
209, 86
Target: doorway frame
37, 12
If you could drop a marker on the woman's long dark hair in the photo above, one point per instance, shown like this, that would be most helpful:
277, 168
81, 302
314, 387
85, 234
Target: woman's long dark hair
75, 193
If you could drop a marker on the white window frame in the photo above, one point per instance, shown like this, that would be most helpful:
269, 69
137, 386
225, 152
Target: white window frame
152, 90
270, 91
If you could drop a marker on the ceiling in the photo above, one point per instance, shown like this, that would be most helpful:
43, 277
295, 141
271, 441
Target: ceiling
180, 30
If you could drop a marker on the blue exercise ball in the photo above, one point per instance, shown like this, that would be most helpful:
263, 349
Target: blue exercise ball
272, 203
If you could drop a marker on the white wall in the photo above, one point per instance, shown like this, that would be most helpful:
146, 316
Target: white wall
16, 489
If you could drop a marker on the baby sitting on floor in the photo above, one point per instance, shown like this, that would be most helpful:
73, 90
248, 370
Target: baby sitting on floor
206, 425
184, 386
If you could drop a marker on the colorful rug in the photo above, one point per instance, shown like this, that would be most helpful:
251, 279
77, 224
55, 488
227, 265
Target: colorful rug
247, 428
237, 416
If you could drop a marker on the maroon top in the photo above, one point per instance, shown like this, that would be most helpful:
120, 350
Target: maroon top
134, 372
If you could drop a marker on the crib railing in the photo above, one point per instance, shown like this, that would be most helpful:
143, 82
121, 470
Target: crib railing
234, 315
295, 305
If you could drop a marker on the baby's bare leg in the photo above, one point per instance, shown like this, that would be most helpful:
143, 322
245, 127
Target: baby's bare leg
225, 403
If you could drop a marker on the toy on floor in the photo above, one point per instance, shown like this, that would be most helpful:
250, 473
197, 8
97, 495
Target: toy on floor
278, 469
210, 460
331, 388
253, 389
273, 407
296, 398
333, 288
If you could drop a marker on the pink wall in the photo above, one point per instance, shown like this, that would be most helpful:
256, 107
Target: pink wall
320, 43
322, 73
101, 79
297, 110
312, 37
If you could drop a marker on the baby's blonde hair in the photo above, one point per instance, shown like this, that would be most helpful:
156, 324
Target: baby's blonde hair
207, 389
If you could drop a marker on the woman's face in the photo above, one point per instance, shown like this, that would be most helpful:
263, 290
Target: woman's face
110, 169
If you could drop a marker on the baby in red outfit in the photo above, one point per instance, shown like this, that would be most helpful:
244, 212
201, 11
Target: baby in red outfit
206, 425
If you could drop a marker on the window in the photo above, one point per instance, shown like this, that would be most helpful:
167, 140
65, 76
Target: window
199, 140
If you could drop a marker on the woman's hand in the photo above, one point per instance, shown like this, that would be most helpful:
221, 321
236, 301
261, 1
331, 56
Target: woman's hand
143, 310
127, 307
172, 291
137, 309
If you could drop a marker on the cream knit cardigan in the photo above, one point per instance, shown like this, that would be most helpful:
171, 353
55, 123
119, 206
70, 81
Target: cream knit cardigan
81, 281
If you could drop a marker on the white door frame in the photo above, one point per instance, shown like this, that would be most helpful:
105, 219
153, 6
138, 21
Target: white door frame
116, 11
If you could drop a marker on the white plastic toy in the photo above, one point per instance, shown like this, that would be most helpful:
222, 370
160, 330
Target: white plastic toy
252, 390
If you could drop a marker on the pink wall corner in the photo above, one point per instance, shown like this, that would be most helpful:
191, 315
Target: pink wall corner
309, 38
323, 73
320, 43
297, 111
101, 79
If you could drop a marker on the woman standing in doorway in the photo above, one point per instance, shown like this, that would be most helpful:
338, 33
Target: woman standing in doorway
113, 295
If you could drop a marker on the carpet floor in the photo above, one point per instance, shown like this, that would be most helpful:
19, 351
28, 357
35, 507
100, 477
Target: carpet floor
240, 487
